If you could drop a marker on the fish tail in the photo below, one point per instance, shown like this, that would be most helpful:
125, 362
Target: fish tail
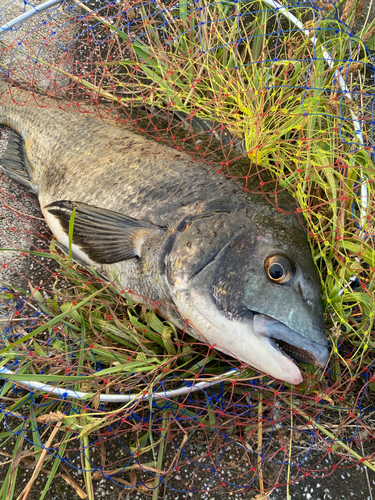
14, 160
4, 86
4, 89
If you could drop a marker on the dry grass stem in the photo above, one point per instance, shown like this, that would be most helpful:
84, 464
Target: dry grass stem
25, 492
368, 35
350, 68
359, 8
82, 494
347, 10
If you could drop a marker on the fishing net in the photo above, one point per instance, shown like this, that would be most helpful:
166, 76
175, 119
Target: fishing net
280, 98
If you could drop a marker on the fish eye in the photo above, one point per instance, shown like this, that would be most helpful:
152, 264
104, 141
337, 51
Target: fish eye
279, 269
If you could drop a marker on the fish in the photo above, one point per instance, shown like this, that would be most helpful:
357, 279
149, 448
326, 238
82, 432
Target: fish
221, 263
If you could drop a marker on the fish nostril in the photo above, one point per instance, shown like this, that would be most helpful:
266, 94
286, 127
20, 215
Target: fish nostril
304, 292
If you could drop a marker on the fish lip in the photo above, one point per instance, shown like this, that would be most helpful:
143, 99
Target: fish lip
304, 350
292, 373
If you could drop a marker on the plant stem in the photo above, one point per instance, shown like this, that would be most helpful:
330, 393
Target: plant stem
333, 437
260, 443
159, 464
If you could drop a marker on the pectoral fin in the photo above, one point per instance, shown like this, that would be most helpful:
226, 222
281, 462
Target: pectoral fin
103, 236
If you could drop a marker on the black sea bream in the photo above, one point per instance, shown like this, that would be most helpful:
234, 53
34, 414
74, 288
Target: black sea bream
173, 230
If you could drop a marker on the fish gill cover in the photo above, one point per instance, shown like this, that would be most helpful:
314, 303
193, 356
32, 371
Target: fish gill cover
280, 98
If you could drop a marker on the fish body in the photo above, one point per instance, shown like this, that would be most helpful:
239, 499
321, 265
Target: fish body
237, 273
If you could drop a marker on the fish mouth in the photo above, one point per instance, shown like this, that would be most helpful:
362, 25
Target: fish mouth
290, 343
258, 340
293, 352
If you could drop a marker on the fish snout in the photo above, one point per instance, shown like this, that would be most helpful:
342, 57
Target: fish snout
291, 343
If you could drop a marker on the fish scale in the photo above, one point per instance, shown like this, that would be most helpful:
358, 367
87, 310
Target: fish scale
173, 231
101, 150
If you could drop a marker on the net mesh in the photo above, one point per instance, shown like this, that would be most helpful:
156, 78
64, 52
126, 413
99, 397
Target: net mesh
277, 108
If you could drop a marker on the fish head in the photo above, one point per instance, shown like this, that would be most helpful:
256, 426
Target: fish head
249, 286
